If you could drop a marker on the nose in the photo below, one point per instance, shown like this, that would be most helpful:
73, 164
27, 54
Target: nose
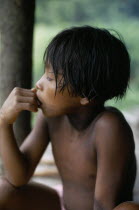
38, 85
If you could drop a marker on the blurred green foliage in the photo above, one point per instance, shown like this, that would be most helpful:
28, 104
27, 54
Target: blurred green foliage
53, 16
79, 11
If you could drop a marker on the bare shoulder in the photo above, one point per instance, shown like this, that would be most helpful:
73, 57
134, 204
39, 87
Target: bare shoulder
116, 162
113, 127
111, 116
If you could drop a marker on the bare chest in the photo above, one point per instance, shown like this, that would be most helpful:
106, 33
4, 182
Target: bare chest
74, 157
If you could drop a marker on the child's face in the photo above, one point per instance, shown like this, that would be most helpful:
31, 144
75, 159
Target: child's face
53, 105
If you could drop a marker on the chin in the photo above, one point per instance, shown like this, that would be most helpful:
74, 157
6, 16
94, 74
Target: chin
49, 114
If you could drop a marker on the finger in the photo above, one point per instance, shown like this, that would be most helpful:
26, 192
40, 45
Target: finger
23, 99
27, 106
22, 89
23, 92
34, 90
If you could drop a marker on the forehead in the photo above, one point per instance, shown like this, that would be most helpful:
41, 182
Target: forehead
48, 67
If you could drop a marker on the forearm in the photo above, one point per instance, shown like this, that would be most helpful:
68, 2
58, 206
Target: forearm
14, 162
103, 204
98, 205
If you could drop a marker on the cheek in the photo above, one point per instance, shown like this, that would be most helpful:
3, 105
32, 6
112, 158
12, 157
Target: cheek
49, 96
54, 105
56, 102
59, 104
49, 92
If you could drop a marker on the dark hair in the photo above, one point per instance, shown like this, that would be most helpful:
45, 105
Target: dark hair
92, 61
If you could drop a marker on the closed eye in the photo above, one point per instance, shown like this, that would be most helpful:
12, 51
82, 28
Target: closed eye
49, 79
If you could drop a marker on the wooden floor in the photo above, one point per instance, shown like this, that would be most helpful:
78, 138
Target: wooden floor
47, 173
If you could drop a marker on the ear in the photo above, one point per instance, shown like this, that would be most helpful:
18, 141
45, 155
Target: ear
84, 101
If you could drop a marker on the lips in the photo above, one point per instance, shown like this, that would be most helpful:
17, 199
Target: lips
39, 103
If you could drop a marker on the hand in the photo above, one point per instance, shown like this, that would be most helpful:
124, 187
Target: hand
19, 99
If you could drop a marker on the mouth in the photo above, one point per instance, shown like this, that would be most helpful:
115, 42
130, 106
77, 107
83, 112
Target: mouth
39, 103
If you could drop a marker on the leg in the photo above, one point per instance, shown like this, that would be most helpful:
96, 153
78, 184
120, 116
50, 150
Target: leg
33, 196
127, 206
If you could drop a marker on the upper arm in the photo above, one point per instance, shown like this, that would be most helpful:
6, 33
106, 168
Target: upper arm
113, 145
35, 143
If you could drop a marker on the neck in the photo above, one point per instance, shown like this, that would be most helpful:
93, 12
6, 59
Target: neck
82, 117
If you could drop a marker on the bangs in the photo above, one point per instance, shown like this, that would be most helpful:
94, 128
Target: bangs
57, 54
63, 55
89, 62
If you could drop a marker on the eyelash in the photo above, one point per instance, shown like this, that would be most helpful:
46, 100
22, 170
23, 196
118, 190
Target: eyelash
49, 79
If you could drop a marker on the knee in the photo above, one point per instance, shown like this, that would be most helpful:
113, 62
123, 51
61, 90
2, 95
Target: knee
5, 185
6, 190
127, 206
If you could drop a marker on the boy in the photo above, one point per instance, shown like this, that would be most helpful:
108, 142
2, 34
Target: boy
92, 144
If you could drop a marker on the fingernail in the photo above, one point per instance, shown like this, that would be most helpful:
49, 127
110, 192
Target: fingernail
33, 89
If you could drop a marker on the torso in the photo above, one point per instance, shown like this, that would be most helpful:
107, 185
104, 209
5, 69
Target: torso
76, 159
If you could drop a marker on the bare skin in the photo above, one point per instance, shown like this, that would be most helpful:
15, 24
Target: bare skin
93, 148
127, 206
84, 177
32, 196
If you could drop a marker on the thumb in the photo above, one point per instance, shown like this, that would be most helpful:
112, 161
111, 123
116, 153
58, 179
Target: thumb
33, 90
